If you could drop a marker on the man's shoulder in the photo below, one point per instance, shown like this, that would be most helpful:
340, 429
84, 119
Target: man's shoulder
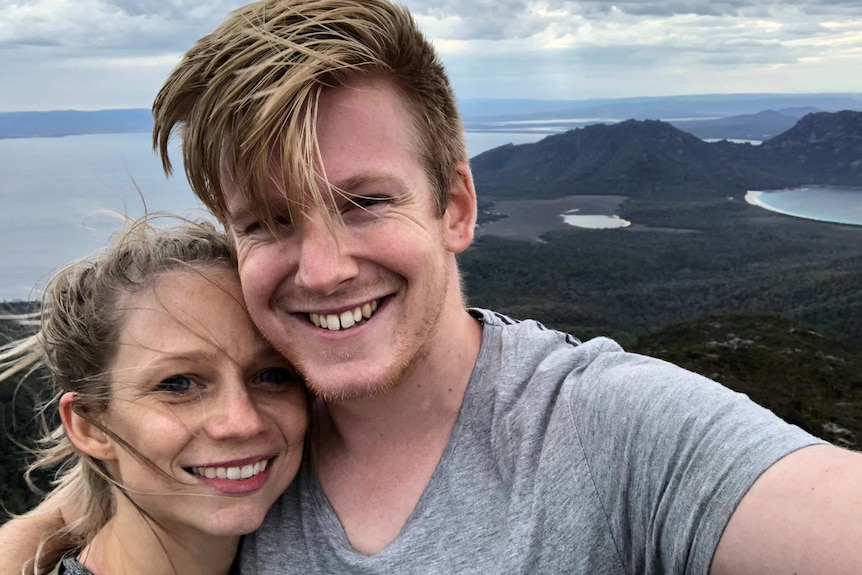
532, 333
525, 367
533, 368
525, 349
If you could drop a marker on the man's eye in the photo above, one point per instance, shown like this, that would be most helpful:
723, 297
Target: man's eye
364, 209
176, 384
365, 202
276, 224
278, 376
251, 228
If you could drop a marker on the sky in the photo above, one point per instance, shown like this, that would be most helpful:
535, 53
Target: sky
97, 54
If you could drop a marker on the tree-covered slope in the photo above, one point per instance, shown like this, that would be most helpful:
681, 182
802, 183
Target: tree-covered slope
806, 376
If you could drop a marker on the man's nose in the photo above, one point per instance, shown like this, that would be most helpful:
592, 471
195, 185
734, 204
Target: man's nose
234, 415
324, 263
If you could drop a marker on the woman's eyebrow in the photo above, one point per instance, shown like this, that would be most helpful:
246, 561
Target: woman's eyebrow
178, 357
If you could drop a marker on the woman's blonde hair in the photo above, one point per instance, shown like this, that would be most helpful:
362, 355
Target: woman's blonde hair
81, 319
248, 92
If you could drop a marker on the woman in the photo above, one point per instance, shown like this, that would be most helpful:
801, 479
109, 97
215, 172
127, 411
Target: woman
180, 425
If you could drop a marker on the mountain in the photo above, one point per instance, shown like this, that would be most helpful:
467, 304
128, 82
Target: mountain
651, 158
823, 148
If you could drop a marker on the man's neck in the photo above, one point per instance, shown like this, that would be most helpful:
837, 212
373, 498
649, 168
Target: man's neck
374, 456
425, 401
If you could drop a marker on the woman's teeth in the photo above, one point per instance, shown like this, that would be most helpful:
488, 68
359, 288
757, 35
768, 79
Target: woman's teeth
346, 319
235, 473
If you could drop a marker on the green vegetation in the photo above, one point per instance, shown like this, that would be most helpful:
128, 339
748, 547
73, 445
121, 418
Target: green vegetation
629, 283
18, 425
805, 376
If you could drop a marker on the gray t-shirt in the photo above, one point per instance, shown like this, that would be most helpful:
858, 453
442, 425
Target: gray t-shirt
566, 458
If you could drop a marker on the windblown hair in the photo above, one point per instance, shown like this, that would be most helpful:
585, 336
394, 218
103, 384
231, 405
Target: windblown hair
249, 91
81, 321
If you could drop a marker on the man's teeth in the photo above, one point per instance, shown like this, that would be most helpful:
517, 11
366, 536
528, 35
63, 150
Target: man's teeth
243, 472
345, 319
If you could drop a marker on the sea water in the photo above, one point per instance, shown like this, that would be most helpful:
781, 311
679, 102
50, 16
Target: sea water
823, 203
60, 197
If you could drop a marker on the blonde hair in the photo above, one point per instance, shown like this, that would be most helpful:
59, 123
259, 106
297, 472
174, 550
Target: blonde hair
250, 89
80, 324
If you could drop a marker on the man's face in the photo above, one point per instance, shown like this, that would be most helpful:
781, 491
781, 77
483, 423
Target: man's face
357, 306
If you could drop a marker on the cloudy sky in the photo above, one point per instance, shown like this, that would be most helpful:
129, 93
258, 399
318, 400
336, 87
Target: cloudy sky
93, 54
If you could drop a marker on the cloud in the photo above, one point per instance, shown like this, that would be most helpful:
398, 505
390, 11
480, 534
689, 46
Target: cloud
109, 24
502, 48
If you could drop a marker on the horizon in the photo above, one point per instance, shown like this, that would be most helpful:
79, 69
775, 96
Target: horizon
461, 101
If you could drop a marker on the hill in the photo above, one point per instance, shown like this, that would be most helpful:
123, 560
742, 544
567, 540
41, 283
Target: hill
651, 159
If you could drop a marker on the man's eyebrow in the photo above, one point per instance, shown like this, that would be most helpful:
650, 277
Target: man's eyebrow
359, 181
240, 212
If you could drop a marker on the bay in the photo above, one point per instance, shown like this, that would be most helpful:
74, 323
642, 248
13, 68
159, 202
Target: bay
62, 198
840, 205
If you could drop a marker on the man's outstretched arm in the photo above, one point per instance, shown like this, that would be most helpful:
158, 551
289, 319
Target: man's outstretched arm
802, 516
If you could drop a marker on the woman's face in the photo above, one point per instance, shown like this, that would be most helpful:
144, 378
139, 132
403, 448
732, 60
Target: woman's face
199, 394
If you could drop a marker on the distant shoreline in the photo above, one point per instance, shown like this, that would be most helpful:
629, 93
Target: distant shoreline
72, 134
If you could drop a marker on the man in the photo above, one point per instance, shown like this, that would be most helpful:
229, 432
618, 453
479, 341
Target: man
324, 134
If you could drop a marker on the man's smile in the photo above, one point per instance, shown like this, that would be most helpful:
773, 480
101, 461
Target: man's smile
346, 319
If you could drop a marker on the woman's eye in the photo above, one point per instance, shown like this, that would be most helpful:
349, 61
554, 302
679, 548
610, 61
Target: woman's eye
277, 376
176, 384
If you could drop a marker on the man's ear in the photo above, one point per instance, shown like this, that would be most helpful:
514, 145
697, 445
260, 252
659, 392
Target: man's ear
84, 435
459, 220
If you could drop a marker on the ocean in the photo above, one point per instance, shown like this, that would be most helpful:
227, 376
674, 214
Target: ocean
61, 197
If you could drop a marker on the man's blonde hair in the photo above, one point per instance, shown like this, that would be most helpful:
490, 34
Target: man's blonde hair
249, 91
